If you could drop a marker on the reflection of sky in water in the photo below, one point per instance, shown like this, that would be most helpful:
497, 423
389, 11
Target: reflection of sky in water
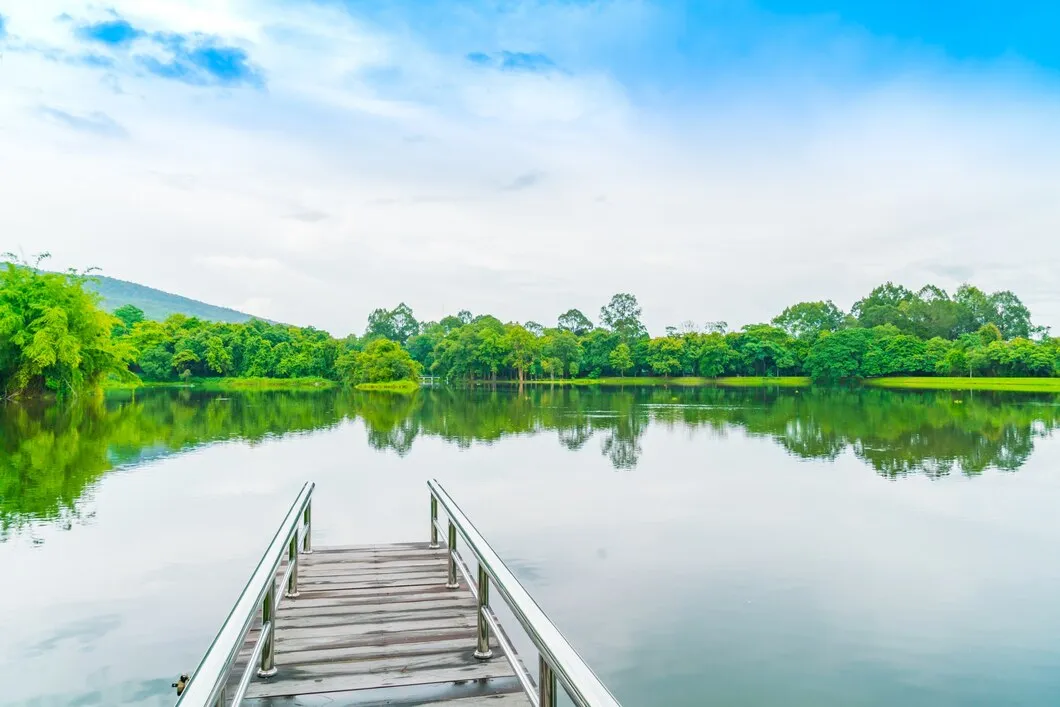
720, 569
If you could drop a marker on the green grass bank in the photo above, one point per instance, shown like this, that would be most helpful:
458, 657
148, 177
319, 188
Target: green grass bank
1025, 385
405, 386
232, 384
687, 381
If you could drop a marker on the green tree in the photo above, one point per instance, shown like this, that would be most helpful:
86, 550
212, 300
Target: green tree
763, 349
806, 320
575, 322
564, 347
974, 309
53, 334
622, 316
620, 359
838, 355
522, 349
128, 316
218, 358
665, 354
886, 304
396, 324
381, 361
714, 356
989, 333
1013, 318
932, 313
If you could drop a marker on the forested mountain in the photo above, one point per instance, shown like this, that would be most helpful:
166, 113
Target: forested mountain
156, 304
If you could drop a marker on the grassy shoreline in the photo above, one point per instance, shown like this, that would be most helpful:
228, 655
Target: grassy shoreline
685, 381
232, 384
405, 386
1026, 385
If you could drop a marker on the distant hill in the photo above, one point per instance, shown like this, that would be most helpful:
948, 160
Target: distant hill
157, 304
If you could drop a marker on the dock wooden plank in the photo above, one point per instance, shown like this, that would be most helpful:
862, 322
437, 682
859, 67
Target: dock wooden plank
431, 603
376, 617
286, 643
394, 595
434, 574
504, 699
366, 582
315, 684
316, 654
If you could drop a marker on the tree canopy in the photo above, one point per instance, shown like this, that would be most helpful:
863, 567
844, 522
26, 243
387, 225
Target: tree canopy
54, 336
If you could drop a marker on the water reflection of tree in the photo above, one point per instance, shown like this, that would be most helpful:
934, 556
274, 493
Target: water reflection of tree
897, 433
621, 443
50, 455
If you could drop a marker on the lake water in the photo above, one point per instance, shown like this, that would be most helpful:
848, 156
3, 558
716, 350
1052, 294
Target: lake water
698, 546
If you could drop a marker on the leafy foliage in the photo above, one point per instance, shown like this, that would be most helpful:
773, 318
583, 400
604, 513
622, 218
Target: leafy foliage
182, 346
381, 361
53, 335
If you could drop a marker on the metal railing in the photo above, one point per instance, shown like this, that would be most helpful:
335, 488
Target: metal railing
207, 686
557, 659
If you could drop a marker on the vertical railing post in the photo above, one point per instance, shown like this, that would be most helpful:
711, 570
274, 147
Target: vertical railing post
434, 523
307, 520
452, 583
546, 683
482, 650
221, 700
268, 609
292, 560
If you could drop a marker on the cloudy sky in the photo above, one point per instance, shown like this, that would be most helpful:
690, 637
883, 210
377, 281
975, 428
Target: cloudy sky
308, 161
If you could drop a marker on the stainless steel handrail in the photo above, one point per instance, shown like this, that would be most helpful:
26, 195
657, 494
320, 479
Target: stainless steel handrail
207, 685
557, 659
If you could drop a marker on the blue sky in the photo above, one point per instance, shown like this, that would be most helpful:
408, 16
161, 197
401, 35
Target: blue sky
311, 160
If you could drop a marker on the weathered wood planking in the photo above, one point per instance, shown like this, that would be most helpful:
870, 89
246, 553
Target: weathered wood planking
377, 618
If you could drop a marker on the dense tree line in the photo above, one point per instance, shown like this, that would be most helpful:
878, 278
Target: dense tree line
892, 331
54, 336
813, 338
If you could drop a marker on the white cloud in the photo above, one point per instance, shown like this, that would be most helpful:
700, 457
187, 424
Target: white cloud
728, 204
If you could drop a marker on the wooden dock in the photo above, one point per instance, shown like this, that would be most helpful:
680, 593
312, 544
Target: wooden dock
376, 625
395, 625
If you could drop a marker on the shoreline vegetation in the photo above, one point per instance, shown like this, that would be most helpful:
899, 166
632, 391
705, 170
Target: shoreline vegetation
1025, 385
229, 384
680, 381
56, 341
405, 387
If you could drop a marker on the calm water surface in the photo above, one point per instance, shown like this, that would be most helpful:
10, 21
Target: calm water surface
698, 546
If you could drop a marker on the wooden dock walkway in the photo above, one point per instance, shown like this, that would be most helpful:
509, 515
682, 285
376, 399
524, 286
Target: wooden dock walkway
385, 625
376, 625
